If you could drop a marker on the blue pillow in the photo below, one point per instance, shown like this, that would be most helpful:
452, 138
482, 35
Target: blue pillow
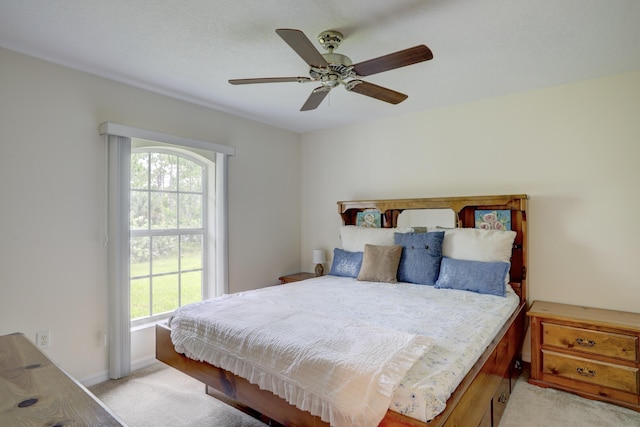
475, 276
345, 263
421, 255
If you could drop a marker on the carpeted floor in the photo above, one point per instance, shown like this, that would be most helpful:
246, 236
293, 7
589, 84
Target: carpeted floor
533, 406
160, 395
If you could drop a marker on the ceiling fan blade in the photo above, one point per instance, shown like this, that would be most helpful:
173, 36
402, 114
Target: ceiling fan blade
391, 61
375, 91
303, 47
315, 98
269, 80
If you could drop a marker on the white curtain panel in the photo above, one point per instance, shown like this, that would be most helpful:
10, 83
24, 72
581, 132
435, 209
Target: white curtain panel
119, 150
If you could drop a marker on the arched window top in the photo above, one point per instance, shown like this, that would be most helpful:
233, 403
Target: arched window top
202, 157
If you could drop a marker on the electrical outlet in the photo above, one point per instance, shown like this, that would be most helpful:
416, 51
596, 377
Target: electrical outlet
43, 339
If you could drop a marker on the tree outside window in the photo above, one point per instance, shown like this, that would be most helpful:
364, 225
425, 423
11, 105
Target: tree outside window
167, 219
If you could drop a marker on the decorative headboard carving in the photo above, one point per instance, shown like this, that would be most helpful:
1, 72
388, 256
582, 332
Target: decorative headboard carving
464, 209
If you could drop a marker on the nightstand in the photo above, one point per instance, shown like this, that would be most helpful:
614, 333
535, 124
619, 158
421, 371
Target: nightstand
588, 351
296, 277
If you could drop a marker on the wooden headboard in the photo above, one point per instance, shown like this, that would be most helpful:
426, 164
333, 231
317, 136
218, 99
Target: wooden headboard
464, 209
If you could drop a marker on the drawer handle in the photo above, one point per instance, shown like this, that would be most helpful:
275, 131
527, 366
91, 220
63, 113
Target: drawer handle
585, 342
586, 372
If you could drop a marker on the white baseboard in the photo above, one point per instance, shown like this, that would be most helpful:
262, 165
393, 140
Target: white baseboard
143, 363
95, 379
104, 376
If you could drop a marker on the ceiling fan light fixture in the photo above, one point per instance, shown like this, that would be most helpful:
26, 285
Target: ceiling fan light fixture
331, 80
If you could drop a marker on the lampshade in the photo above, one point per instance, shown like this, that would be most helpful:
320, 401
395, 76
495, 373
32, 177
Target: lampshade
318, 256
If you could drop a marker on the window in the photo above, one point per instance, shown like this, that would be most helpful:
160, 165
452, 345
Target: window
168, 226
119, 140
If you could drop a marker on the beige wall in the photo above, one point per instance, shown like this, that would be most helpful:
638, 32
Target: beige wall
574, 149
52, 168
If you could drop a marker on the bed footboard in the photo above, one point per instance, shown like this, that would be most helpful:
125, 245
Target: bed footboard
240, 391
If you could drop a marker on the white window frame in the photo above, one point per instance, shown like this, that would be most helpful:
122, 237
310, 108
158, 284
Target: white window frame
208, 264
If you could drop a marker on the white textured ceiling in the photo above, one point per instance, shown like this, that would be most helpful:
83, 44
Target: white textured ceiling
188, 49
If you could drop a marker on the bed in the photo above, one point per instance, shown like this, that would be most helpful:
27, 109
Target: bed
475, 397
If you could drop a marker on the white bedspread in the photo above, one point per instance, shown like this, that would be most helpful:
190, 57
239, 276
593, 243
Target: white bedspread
344, 371
459, 324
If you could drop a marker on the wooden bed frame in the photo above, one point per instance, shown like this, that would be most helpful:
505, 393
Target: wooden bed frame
474, 402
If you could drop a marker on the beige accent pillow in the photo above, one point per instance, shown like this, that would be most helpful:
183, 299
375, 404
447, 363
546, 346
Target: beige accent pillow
380, 263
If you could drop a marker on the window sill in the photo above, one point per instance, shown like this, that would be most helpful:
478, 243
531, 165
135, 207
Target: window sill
150, 324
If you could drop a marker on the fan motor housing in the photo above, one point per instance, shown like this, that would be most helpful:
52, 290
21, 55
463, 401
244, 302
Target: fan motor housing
339, 68
337, 58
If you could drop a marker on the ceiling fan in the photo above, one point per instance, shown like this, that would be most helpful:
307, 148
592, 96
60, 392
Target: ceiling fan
333, 69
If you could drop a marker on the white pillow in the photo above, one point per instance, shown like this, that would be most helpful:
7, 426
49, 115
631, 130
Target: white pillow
354, 238
474, 244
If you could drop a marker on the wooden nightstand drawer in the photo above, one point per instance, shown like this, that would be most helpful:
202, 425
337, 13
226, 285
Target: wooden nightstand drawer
618, 377
607, 344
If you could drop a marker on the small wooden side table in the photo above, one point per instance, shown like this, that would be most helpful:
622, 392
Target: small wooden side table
36, 392
296, 277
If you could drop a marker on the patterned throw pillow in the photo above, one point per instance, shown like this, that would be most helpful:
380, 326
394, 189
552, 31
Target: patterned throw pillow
345, 263
475, 276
